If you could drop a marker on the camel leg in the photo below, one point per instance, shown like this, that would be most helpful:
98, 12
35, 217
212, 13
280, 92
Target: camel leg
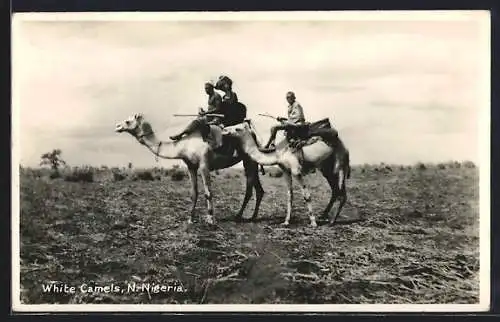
307, 199
288, 177
205, 176
249, 175
259, 193
342, 194
193, 175
330, 177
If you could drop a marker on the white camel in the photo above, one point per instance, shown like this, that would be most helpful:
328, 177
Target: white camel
197, 154
332, 162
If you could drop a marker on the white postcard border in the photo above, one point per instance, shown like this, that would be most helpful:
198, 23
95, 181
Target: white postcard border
484, 167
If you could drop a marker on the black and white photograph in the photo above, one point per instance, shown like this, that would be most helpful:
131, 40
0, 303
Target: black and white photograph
251, 161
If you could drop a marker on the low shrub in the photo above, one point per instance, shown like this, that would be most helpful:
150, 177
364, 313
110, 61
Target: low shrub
177, 175
469, 164
145, 175
85, 174
117, 176
421, 166
275, 173
54, 175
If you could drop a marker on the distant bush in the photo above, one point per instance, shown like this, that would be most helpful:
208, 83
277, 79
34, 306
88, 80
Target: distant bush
441, 166
454, 164
35, 173
54, 175
145, 175
177, 175
275, 173
469, 164
421, 166
117, 176
84, 174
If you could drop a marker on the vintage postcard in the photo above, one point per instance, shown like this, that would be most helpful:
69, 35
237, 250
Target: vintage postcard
251, 161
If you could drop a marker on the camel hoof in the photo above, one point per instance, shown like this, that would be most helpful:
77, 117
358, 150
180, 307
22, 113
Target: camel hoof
190, 221
210, 221
238, 219
285, 224
313, 225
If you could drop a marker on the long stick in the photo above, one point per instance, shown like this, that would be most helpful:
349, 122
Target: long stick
209, 114
268, 115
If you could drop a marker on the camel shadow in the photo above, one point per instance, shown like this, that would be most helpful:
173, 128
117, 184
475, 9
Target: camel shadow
293, 222
247, 220
341, 222
268, 220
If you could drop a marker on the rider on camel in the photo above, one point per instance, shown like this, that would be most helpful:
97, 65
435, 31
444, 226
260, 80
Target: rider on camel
204, 120
295, 125
295, 120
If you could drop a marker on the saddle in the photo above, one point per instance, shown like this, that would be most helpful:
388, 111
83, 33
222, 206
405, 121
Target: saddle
310, 133
214, 137
221, 144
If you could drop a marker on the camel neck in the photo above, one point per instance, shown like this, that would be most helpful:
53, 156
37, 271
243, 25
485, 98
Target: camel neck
161, 149
251, 148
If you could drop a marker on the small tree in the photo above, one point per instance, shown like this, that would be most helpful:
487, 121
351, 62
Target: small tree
53, 159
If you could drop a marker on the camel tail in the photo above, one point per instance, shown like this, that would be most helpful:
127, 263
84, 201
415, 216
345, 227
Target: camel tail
348, 166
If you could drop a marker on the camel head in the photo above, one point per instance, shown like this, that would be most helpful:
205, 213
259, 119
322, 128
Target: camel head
135, 126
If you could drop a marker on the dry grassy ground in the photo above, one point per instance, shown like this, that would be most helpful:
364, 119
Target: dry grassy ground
407, 235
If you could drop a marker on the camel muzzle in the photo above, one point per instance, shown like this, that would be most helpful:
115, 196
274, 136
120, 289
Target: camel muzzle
119, 128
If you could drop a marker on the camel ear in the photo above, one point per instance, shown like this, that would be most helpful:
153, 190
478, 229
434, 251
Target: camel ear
138, 116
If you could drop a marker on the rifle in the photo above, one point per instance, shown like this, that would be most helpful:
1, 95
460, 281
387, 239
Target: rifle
208, 114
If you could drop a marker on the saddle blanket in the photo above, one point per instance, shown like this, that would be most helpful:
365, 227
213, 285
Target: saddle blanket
214, 137
219, 143
297, 144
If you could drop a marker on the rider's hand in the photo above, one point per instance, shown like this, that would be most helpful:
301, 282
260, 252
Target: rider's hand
201, 111
281, 119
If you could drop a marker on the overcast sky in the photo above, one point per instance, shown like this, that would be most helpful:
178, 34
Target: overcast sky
397, 91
